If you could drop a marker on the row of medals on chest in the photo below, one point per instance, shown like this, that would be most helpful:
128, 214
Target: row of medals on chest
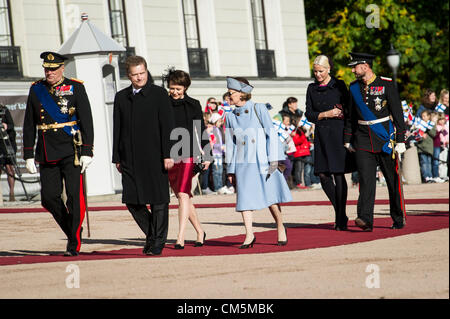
379, 103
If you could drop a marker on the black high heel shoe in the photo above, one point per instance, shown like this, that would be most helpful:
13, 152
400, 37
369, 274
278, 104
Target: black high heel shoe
200, 244
284, 242
248, 245
178, 246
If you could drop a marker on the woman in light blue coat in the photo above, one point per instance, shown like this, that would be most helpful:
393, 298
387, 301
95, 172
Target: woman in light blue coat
253, 151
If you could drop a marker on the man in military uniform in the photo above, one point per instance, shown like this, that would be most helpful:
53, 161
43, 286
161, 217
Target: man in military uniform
58, 108
375, 130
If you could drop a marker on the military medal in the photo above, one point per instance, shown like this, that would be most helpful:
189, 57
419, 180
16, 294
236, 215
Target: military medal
384, 103
377, 104
63, 103
71, 111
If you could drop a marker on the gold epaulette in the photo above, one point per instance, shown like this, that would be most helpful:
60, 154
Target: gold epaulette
77, 80
35, 82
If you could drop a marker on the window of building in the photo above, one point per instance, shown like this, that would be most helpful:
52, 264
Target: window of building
118, 23
5, 24
197, 56
10, 61
191, 23
119, 31
265, 58
259, 24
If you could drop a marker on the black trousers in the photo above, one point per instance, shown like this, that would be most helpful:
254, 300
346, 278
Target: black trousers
69, 215
154, 223
367, 163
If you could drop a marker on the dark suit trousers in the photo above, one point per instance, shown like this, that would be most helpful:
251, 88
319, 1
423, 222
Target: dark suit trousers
70, 215
367, 165
154, 223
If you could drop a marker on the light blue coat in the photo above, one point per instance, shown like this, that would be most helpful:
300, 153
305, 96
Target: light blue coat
249, 149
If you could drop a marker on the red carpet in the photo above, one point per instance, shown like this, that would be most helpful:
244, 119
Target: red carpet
300, 238
414, 201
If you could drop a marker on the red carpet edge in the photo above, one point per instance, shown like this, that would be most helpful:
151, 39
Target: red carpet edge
308, 236
415, 201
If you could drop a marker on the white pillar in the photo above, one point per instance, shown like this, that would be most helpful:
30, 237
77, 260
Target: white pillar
89, 69
411, 167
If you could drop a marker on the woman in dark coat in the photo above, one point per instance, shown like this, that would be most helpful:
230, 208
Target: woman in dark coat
143, 121
186, 140
325, 99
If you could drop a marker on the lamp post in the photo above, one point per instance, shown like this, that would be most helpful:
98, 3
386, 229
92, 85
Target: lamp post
393, 60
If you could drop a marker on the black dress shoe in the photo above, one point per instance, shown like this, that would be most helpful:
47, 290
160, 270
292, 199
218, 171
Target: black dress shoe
397, 226
71, 253
340, 228
146, 249
248, 245
283, 242
363, 225
154, 251
178, 246
200, 244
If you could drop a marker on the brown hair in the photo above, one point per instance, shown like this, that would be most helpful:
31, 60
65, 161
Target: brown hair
179, 77
426, 99
134, 60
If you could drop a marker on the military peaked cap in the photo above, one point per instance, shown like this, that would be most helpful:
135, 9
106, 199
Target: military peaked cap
358, 58
52, 59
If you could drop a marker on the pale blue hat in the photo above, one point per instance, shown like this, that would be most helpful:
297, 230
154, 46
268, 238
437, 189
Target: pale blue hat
236, 85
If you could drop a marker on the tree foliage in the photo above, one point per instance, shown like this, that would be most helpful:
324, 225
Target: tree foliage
418, 29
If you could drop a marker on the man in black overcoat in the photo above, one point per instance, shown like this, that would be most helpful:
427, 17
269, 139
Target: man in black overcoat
143, 121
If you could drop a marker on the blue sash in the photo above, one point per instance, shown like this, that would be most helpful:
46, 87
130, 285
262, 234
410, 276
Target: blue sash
53, 109
378, 128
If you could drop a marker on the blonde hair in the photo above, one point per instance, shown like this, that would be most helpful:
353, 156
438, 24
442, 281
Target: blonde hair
442, 94
323, 60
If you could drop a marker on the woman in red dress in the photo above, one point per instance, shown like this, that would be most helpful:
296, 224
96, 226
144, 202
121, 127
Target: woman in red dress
186, 138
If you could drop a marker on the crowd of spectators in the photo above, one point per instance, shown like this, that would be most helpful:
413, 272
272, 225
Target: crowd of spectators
428, 130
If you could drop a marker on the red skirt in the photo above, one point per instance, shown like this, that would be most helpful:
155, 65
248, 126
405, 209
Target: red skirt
180, 176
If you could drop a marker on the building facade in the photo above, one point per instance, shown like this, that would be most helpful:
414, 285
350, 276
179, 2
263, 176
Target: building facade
263, 40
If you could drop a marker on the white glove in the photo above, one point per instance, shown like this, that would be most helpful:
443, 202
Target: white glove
349, 147
84, 162
31, 167
400, 148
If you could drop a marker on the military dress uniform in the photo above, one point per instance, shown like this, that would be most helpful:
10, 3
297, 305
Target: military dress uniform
60, 115
380, 98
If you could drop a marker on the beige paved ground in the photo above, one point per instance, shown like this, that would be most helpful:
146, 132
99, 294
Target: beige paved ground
411, 266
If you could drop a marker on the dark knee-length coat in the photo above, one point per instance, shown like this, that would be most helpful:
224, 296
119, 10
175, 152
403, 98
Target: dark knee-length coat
141, 140
330, 155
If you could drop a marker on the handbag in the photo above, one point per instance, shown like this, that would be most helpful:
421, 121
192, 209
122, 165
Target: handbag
281, 166
199, 164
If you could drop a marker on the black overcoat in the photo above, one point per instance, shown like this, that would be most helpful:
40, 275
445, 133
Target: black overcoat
142, 125
330, 155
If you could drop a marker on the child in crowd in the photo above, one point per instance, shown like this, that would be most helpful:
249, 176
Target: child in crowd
425, 149
217, 140
302, 152
441, 142
289, 149
311, 180
205, 175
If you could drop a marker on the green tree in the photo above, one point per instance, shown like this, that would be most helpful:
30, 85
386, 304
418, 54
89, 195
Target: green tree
417, 29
